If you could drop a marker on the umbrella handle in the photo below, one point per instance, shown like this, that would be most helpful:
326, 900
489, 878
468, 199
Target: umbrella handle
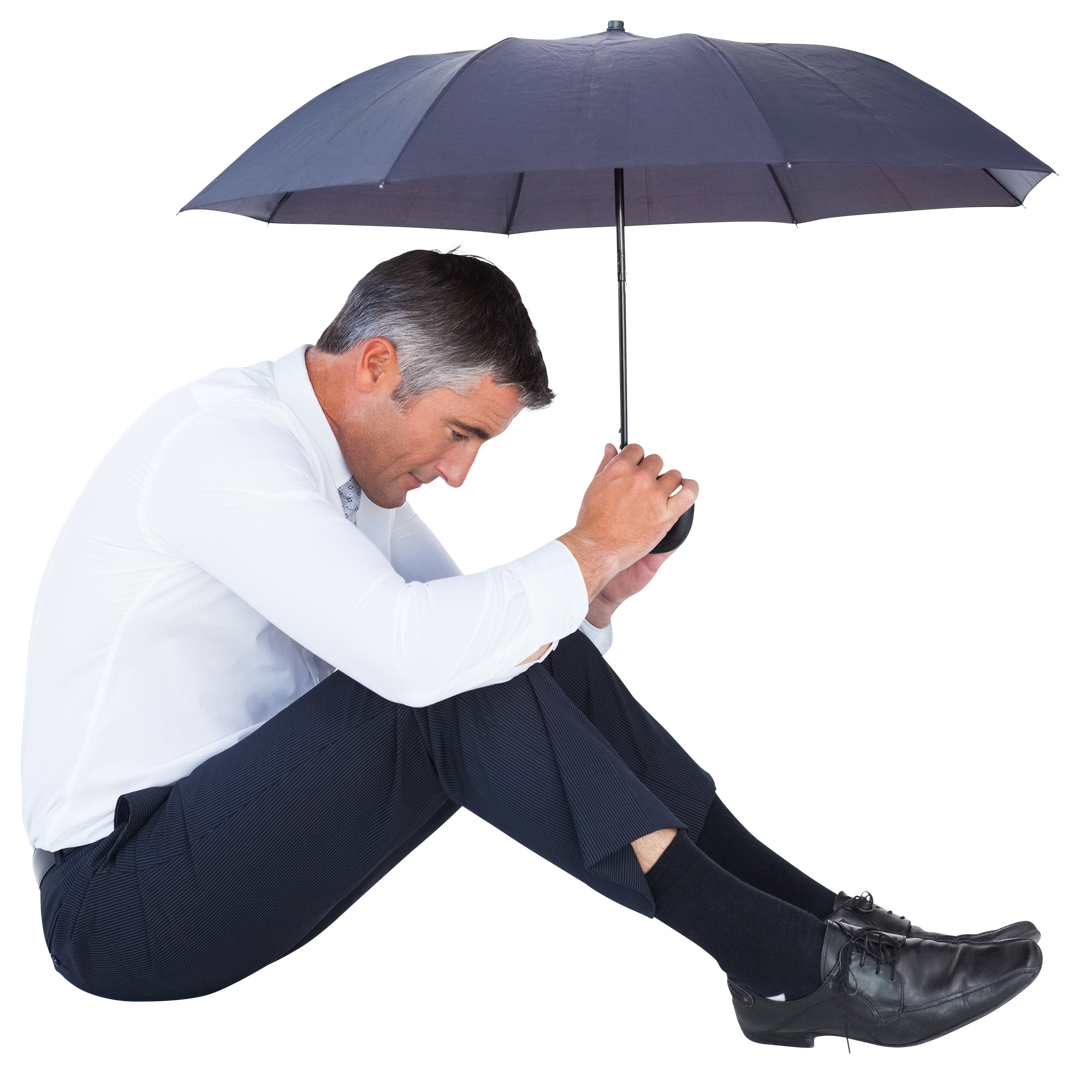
678, 533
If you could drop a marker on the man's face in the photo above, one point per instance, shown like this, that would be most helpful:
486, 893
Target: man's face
392, 450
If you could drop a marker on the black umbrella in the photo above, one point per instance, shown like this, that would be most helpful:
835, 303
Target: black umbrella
613, 128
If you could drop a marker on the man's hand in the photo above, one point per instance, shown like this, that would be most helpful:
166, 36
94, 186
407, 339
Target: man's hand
625, 584
628, 506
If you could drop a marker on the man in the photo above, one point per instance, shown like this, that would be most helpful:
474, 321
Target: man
205, 793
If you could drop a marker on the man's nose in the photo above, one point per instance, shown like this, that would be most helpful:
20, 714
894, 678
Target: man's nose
455, 468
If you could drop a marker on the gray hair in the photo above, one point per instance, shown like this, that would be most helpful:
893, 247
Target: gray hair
452, 318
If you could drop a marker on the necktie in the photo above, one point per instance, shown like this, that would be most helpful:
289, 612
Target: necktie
350, 499
375, 523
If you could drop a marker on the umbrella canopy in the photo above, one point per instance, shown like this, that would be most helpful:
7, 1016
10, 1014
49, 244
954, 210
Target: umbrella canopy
529, 135
524, 136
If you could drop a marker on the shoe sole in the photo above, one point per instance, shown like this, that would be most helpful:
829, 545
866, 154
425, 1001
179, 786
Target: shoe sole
809, 1042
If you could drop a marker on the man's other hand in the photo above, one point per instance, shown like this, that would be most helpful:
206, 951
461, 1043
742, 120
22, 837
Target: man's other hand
625, 584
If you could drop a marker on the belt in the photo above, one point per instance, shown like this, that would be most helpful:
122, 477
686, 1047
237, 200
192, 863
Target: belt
44, 860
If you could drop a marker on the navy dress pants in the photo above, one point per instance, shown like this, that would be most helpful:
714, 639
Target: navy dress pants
262, 846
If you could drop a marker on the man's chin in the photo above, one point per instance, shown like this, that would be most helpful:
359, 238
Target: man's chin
389, 502
394, 496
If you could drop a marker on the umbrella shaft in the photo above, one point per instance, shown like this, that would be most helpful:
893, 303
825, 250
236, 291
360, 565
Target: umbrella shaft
620, 248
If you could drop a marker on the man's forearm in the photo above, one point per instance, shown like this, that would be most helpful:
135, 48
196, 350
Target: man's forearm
596, 574
600, 611
597, 564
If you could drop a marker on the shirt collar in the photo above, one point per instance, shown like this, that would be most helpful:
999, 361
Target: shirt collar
295, 390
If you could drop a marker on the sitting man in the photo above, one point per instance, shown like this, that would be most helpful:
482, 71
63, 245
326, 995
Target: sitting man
206, 793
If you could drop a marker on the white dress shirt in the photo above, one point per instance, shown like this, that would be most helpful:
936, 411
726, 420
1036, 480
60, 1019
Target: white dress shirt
207, 577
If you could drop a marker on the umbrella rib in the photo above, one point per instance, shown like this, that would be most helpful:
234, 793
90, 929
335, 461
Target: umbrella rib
282, 200
776, 180
517, 198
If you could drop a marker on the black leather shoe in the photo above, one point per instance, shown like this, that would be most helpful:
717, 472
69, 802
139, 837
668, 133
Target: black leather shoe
861, 912
884, 989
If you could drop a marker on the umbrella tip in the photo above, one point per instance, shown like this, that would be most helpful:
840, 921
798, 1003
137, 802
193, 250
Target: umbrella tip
615, 24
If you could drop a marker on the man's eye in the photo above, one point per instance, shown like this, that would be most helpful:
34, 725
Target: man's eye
457, 435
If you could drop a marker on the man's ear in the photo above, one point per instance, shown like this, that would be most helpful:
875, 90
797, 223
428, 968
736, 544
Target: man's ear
376, 365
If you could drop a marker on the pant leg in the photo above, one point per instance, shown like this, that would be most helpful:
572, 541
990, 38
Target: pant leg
647, 748
206, 881
523, 757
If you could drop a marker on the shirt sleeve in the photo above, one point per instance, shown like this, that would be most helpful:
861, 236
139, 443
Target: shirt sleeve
419, 553
237, 493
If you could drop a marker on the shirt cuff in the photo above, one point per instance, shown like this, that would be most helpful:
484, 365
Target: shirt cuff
599, 636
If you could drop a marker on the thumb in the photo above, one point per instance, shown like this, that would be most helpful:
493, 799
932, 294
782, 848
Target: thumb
610, 451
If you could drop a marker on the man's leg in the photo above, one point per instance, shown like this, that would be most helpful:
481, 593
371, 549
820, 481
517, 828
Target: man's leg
676, 779
237, 864
205, 881
600, 807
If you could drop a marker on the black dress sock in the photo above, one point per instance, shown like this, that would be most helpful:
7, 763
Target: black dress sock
761, 942
733, 848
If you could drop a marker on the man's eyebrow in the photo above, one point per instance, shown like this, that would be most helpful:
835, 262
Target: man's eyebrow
471, 429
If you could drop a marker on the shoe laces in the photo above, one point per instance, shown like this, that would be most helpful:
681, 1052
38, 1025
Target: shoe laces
866, 900
871, 945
